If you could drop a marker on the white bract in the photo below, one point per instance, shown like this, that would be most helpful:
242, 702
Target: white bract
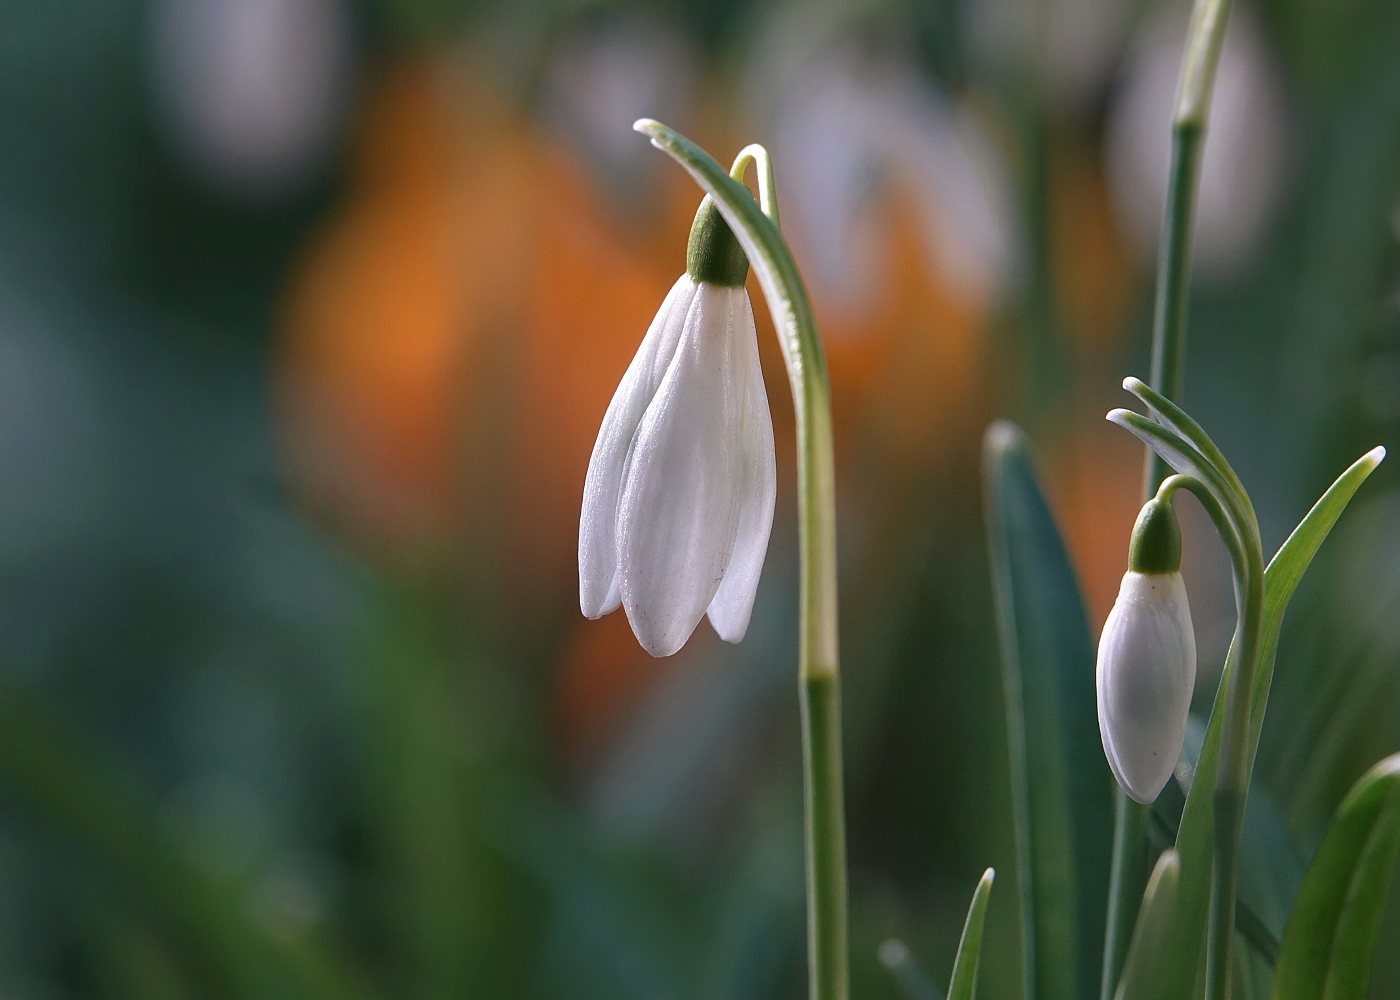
678, 502
1146, 672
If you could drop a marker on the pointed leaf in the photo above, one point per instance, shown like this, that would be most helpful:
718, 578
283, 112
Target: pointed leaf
1149, 955
1328, 947
1194, 839
1060, 783
963, 985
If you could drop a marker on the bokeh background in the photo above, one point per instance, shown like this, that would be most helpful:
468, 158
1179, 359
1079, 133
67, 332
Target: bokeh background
309, 311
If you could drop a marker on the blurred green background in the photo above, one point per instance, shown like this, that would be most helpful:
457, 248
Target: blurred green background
309, 311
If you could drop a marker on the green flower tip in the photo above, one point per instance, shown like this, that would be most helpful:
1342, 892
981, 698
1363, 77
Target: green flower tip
714, 255
1155, 548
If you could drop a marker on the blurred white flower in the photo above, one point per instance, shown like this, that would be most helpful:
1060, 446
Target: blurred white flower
1147, 660
251, 94
605, 76
844, 123
1071, 46
678, 501
1243, 166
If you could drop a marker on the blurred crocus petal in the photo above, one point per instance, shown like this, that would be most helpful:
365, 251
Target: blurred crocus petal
678, 502
251, 93
1243, 165
1146, 672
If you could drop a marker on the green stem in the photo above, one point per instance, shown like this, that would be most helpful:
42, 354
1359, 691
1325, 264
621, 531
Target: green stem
818, 669
1127, 872
1204, 40
1174, 280
826, 837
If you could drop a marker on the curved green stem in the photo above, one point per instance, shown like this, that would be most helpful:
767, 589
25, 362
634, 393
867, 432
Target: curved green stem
767, 192
757, 231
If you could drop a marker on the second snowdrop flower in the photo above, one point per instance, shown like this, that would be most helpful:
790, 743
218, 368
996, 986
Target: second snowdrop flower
678, 501
1147, 659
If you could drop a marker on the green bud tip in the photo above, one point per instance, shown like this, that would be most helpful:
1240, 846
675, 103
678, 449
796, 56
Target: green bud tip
714, 255
1155, 547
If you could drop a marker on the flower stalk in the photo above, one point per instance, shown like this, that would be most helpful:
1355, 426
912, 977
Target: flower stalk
1205, 38
756, 228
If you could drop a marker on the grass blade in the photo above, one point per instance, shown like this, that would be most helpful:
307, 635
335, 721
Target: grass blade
1060, 783
1149, 955
963, 985
1331, 936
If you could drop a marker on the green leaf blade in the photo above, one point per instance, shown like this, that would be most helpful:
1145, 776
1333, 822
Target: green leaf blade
1196, 833
1061, 786
1331, 936
1150, 955
963, 985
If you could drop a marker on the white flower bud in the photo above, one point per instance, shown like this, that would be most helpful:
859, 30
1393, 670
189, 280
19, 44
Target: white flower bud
678, 502
1146, 672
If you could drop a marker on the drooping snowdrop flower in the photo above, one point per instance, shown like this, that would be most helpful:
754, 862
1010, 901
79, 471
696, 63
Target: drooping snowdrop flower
678, 501
1147, 659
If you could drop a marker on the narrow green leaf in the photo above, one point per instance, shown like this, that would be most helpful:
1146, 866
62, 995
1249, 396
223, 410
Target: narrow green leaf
1331, 935
963, 985
1194, 838
1061, 787
1288, 565
1174, 417
1149, 955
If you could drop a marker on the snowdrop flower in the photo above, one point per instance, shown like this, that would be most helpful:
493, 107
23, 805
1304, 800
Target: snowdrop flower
1147, 659
678, 501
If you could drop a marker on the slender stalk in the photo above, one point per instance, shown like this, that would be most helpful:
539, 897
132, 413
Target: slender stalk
1128, 874
1204, 40
1174, 280
1128, 871
757, 231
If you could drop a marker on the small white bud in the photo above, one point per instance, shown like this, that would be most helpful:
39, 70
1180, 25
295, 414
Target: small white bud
1146, 672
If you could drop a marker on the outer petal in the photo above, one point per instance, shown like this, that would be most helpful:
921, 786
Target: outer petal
758, 484
1146, 670
597, 531
680, 500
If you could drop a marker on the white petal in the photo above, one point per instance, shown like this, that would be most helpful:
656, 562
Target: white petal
598, 583
758, 486
679, 508
1146, 670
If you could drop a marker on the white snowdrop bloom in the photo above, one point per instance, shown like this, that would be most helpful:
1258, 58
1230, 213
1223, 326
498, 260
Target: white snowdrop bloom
1147, 660
678, 501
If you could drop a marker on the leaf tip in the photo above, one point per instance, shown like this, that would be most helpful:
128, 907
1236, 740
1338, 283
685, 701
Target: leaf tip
647, 126
1376, 455
1134, 385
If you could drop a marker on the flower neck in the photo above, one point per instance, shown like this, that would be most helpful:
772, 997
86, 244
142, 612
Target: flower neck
714, 255
1156, 543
